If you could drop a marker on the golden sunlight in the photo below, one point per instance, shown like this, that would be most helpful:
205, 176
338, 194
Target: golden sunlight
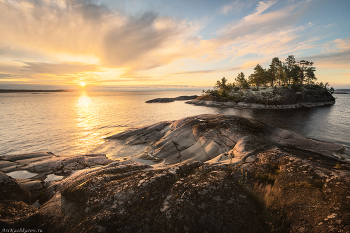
82, 84
86, 122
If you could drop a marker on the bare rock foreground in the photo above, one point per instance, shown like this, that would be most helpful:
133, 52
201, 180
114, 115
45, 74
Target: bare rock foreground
215, 173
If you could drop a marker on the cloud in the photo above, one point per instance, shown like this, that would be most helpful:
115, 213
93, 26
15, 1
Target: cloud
206, 71
342, 44
259, 23
5, 76
331, 25
261, 7
196, 72
149, 87
230, 7
71, 40
342, 74
135, 39
266, 33
339, 60
57, 69
48, 30
90, 11
133, 79
336, 58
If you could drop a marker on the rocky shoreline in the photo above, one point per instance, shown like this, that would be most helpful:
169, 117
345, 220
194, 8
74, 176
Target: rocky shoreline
214, 173
233, 104
168, 100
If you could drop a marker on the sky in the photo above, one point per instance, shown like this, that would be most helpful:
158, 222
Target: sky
166, 44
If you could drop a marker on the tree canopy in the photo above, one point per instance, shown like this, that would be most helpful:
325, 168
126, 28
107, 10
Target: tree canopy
282, 73
287, 72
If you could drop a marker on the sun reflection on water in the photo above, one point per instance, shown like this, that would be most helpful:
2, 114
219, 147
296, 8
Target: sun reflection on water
87, 123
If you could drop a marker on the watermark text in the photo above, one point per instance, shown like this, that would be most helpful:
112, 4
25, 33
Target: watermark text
20, 230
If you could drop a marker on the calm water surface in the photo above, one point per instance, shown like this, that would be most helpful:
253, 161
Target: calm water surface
75, 123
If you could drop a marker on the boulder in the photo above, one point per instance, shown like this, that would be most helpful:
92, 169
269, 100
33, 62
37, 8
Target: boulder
10, 189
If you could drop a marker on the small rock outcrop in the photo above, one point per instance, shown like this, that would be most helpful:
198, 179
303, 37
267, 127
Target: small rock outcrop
167, 100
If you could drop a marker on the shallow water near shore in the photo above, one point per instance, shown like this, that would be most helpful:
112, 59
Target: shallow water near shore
78, 122
22, 174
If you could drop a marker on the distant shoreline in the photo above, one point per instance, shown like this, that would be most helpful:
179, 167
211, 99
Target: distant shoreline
23, 90
342, 91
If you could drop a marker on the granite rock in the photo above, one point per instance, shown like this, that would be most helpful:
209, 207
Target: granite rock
203, 137
18, 215
10, 189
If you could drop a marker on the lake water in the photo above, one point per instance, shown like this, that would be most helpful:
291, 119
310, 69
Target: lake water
78, 122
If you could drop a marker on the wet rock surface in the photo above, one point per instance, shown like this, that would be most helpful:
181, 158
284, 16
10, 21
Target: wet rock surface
168, 100
216, 173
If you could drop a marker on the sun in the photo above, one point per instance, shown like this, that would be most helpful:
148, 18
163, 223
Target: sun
82, 84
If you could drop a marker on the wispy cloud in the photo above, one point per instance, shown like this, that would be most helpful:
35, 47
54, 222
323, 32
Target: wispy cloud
336, 58
259, 23
331, 25
195, 72
57, 69
236, 5
207, 71
5, 76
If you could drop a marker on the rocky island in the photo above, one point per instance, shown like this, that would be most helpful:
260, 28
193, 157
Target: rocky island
269, 98
167, 100
210, 173
284, 85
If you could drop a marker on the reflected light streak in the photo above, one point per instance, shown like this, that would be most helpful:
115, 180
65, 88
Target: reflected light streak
87, 123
